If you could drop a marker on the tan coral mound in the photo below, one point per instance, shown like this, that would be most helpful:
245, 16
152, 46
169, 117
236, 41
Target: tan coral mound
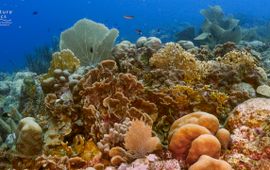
139, 139
207, 163
201, 118
203, 145
224, 137
193, 135
182, 138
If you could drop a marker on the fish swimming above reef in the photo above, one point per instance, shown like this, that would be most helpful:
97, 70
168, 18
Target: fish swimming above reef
139, 32
34, 12
129, 17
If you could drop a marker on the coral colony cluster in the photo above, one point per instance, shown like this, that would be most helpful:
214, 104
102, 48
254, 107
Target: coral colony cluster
138, 106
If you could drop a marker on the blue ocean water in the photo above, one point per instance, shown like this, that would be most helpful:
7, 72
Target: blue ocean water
35, 22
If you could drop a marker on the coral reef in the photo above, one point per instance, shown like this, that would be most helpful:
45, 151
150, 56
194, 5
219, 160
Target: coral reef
152, 106
91, 42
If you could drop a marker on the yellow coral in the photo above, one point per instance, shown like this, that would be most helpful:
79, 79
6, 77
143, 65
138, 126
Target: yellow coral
64, 60
174, 56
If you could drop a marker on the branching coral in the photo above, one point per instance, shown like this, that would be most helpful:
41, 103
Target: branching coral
174, 56
115, 137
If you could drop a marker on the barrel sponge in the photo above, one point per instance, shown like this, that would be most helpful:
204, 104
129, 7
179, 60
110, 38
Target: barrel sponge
29, 137
207, 162
90, 41
183, 137
203, 145
204, 119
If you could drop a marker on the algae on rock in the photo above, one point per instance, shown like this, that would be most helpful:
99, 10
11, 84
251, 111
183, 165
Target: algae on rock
90, 41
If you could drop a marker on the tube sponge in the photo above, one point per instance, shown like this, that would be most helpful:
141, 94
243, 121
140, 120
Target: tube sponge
90, 41
29, 137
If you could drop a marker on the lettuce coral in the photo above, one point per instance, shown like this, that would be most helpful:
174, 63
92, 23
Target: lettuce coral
90, 41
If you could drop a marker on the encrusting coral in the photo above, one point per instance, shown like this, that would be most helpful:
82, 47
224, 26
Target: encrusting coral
249, 125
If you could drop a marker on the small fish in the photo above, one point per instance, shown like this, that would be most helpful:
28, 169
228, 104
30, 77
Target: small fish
129, 17
139, 32
35, 13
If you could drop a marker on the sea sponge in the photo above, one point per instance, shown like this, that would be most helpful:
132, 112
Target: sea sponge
139, 140
90, 41
182, 138
203, 145
201, 118
207, 162
29, 137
